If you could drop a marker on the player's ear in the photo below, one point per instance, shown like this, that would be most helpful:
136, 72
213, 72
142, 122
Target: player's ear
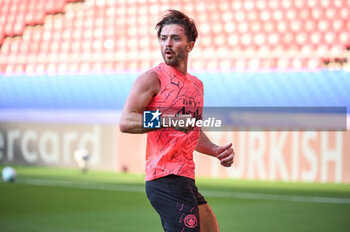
190, 46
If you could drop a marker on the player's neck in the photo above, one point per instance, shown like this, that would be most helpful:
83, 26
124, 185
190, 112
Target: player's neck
182, 67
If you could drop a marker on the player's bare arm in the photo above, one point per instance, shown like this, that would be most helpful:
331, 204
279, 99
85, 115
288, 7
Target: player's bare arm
224, 153
144, 88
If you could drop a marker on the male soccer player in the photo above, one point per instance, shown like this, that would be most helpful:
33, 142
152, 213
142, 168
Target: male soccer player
170, 184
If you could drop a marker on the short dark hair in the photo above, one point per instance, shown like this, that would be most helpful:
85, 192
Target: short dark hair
177, 17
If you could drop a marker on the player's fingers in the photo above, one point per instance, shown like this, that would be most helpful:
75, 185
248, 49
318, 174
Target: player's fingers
188, 129
183, 129
228, 161
223, 148
227, 158
225, 153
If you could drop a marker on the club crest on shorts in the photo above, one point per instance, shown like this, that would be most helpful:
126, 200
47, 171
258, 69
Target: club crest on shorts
191, 221
151, 119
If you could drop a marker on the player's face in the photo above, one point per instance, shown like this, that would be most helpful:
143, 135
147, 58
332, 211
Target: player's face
174, 44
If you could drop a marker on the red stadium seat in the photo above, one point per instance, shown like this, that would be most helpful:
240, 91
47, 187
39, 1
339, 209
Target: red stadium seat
285, 34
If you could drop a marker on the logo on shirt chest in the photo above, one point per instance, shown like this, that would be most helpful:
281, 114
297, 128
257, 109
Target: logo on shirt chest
190, 103
190, 107
194, 112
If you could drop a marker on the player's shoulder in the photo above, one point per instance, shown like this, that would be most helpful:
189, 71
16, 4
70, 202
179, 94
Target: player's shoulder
196, 80
153, 72
148, 80
149, 74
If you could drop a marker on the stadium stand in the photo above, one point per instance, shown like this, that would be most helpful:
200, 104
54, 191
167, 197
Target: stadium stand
60, 36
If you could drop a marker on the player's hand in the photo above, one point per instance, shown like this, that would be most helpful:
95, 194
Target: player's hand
182, 127
226, 155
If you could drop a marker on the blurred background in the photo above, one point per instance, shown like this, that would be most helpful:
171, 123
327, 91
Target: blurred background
67, 67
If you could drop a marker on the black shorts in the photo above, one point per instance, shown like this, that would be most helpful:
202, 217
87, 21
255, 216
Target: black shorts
176, 199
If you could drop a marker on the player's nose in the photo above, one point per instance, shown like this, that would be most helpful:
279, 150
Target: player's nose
168, 43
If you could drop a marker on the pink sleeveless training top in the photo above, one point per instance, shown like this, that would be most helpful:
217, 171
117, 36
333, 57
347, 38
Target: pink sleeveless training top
170, 151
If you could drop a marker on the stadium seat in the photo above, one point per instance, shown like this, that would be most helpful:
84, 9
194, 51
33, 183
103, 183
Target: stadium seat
299, 33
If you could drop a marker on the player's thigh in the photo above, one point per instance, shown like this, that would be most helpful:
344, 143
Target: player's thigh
173, 199
208, 222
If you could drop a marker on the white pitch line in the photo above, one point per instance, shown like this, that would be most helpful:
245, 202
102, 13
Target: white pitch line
276, 197
75, 184
208, 193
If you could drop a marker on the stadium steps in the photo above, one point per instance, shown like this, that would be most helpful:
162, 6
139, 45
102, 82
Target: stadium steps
108, 35
17, 16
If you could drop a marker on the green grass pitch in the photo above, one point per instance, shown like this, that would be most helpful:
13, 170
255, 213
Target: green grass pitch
66, 200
